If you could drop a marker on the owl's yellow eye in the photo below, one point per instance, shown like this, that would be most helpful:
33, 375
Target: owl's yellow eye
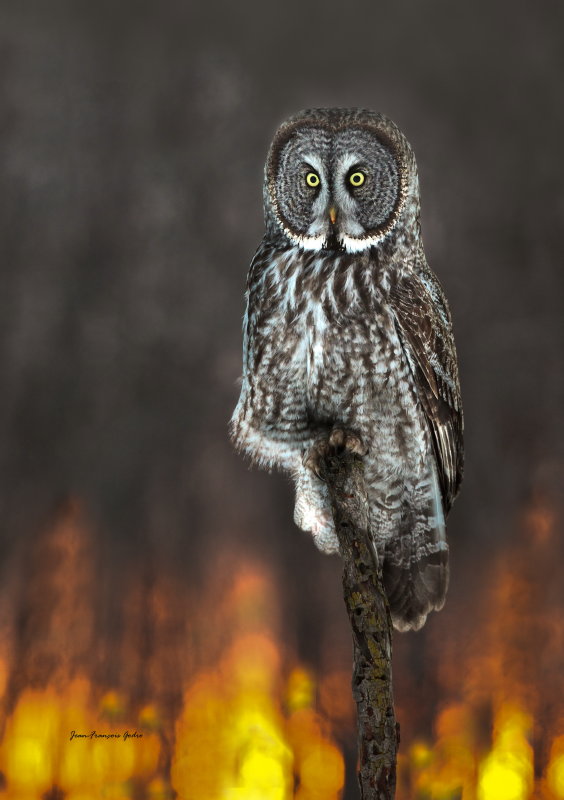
312, 179
357, 178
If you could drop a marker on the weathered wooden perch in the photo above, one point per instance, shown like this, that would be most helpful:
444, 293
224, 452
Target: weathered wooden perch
367, 607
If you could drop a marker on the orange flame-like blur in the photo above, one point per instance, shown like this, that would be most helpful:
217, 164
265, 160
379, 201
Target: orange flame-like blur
37, 750
519, 755
240, 719
244, 733
245, 729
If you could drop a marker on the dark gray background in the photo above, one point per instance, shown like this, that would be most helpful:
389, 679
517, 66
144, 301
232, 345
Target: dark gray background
133, 137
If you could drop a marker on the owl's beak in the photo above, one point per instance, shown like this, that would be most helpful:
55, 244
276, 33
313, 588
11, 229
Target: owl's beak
333, 215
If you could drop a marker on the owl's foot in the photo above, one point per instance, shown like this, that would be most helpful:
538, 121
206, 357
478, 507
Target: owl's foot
339, 440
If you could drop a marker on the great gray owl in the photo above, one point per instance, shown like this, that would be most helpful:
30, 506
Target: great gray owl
348, 341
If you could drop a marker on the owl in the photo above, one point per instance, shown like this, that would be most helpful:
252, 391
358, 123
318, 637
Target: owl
348, 343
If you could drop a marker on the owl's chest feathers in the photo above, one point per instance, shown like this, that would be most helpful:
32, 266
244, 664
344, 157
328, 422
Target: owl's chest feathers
336, 320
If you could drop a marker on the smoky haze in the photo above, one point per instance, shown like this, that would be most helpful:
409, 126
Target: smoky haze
133, 141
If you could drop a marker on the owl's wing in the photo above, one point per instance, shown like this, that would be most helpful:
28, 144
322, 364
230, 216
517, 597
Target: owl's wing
424, 326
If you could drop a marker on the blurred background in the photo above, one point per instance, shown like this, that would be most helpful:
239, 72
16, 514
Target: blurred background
133, 137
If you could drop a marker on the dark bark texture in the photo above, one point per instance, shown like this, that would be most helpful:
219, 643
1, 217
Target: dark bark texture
367, 607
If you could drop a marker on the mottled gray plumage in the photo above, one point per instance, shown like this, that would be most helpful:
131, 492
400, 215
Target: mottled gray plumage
347, 328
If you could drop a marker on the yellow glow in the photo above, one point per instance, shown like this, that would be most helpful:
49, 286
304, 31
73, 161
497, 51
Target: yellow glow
555, 770
230, 741
31, 742
233, 742
448, 770
501, 778
259, 755
112, 704
264, 773
319, 765
159, 789
507, 772
37, 751
234, 735
312, 179
80, 794
421, 755
113, 760
248, 730
149, 717
300, 692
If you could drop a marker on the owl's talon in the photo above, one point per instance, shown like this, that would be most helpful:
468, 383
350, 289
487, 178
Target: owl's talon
312, 457
342, 439
339, 440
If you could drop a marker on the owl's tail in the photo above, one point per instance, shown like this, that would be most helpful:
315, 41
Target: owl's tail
415, 567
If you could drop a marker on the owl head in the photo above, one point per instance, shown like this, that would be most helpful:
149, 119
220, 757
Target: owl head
340, 179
